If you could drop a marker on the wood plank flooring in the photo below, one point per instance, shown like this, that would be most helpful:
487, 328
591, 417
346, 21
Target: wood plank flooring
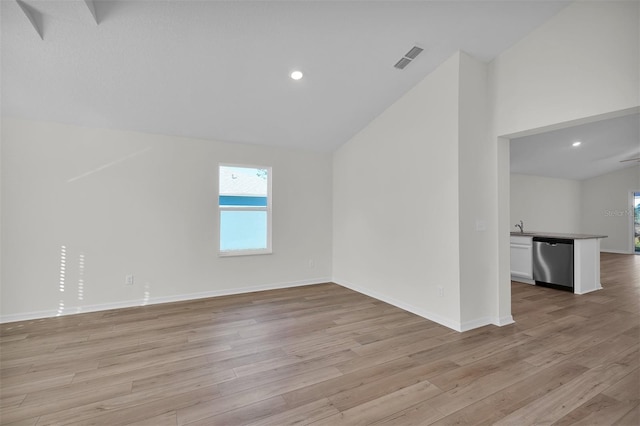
325, 355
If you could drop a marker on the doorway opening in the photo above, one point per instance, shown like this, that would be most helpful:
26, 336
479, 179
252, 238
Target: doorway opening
636, 222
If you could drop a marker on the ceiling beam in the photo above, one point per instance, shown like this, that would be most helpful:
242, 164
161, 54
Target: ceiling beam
92, 9
34, 17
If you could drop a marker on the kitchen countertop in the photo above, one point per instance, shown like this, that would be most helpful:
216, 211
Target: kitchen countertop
556, 235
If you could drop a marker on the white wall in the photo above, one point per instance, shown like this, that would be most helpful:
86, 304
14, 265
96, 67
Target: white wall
409, 214
545, 204
606, 208
599, 205
477, 220
581, 64
395, 217
133, 203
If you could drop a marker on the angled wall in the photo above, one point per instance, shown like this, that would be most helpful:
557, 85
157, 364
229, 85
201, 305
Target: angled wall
395, 216
408, 208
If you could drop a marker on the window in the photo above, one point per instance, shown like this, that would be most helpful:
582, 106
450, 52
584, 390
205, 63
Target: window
244, 200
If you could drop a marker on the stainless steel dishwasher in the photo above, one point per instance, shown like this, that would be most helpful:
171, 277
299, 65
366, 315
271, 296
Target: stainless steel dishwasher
553, 262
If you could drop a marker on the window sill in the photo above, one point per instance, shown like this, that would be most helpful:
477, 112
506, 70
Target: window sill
235, 253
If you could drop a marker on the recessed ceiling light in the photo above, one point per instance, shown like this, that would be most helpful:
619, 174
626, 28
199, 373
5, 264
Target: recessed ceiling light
296, 75
577, 143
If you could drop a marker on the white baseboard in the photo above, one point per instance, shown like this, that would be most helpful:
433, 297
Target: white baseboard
481, 322
477, 323
522, 280
598, 287
404, 306
156, 300
454, 325
501, 321
616, 251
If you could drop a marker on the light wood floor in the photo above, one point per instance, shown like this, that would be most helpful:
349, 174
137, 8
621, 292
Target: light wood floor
325, 355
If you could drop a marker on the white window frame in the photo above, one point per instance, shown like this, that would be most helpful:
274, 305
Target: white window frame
268, 209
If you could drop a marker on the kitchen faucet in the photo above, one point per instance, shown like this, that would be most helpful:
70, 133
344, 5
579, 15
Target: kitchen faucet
521, 226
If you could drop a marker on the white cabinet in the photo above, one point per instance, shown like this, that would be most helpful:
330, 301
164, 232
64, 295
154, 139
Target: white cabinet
521, 257
586, 259
586, 264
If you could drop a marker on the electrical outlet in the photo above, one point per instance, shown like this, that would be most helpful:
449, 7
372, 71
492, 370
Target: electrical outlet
440, 291
128, 280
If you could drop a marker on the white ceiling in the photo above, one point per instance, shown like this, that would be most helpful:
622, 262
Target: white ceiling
220, 69
604, 145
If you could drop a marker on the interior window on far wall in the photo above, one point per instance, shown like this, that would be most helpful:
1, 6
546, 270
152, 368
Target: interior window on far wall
244, 200
636, 221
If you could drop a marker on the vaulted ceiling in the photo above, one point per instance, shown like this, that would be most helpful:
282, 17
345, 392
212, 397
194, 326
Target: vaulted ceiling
220, 69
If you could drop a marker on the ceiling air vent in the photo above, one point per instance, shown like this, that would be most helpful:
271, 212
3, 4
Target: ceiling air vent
402, 63
408, 57
415, 51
